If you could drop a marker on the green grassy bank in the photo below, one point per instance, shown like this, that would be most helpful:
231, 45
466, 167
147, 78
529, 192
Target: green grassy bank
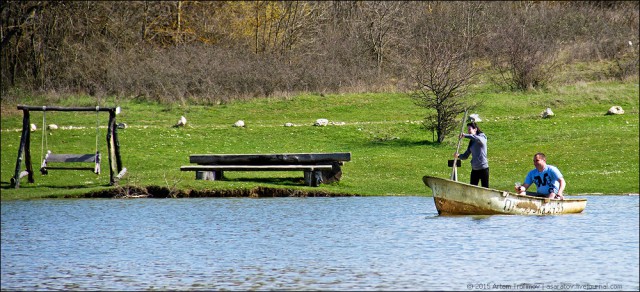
390, 150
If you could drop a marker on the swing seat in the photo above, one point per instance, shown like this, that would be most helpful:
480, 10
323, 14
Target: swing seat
86, 158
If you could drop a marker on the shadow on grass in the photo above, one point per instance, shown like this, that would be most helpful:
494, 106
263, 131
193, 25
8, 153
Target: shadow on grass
75, 186
284, 181
403, 143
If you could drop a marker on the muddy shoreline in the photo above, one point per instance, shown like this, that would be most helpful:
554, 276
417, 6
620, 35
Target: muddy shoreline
159, 192
164, 192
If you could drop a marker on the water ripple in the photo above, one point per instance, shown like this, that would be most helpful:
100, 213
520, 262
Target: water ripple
355, 243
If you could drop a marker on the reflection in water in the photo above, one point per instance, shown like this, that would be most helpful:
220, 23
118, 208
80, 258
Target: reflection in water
354, 243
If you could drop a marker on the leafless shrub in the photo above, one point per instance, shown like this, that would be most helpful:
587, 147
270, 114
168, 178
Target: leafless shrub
625, 63
522, 46
443, 68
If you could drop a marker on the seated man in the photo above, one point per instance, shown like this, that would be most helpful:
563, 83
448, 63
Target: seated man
548, 179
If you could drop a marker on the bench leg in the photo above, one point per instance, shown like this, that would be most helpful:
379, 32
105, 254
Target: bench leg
313, 178
209, 175
203, 175
333, 175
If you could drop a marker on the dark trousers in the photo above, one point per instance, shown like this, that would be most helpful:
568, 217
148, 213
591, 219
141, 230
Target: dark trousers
480, 175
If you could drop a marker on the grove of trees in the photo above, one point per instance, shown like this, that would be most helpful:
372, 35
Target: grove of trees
210, 52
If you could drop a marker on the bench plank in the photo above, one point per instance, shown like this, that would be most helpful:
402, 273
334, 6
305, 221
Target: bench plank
254, 167
270, 159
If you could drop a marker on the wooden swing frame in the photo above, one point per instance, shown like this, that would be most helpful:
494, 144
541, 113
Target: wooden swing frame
113, 145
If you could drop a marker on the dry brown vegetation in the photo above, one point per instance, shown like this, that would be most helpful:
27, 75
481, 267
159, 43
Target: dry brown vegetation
214, 51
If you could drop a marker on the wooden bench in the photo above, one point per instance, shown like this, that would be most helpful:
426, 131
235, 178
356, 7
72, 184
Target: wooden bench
317, 167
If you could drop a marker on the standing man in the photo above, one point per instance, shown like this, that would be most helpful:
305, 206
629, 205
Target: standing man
478, 149
548, 179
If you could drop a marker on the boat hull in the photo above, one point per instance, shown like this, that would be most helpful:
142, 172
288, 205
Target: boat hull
457, 198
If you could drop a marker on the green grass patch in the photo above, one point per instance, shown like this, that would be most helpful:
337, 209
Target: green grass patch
390, 150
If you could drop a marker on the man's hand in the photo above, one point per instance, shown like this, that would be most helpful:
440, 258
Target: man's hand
556, 196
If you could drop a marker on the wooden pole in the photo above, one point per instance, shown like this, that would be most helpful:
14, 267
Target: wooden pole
65, 109
111, 147
15, 181
116, 143
27, 150
454, 171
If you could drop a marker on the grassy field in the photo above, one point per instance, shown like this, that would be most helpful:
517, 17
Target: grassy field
390, 150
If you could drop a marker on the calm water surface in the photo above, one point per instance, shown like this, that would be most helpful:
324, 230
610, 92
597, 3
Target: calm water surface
355, 243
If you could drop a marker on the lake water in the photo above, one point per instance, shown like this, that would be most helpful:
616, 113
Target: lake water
347, 243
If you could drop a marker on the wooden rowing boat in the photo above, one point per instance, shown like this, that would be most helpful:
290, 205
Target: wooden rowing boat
457, 198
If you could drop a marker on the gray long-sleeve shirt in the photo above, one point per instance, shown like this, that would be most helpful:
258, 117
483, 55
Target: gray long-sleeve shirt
478, 149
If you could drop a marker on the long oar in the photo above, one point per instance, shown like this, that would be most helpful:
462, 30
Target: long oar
454, 172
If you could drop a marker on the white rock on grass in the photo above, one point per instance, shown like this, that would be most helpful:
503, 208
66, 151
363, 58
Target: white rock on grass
181, 122
321, 122
52, 127
547, 113
475, 118
289, 124
33, 127
239, 123
615, 110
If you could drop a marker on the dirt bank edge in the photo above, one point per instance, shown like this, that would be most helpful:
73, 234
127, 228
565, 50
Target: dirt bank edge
165, 192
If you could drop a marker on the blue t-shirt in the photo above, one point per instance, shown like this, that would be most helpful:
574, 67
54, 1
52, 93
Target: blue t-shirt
546, 180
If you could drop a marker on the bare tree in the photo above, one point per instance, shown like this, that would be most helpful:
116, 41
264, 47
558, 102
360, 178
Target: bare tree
18, 19
380, 24
523, 46
443, 68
